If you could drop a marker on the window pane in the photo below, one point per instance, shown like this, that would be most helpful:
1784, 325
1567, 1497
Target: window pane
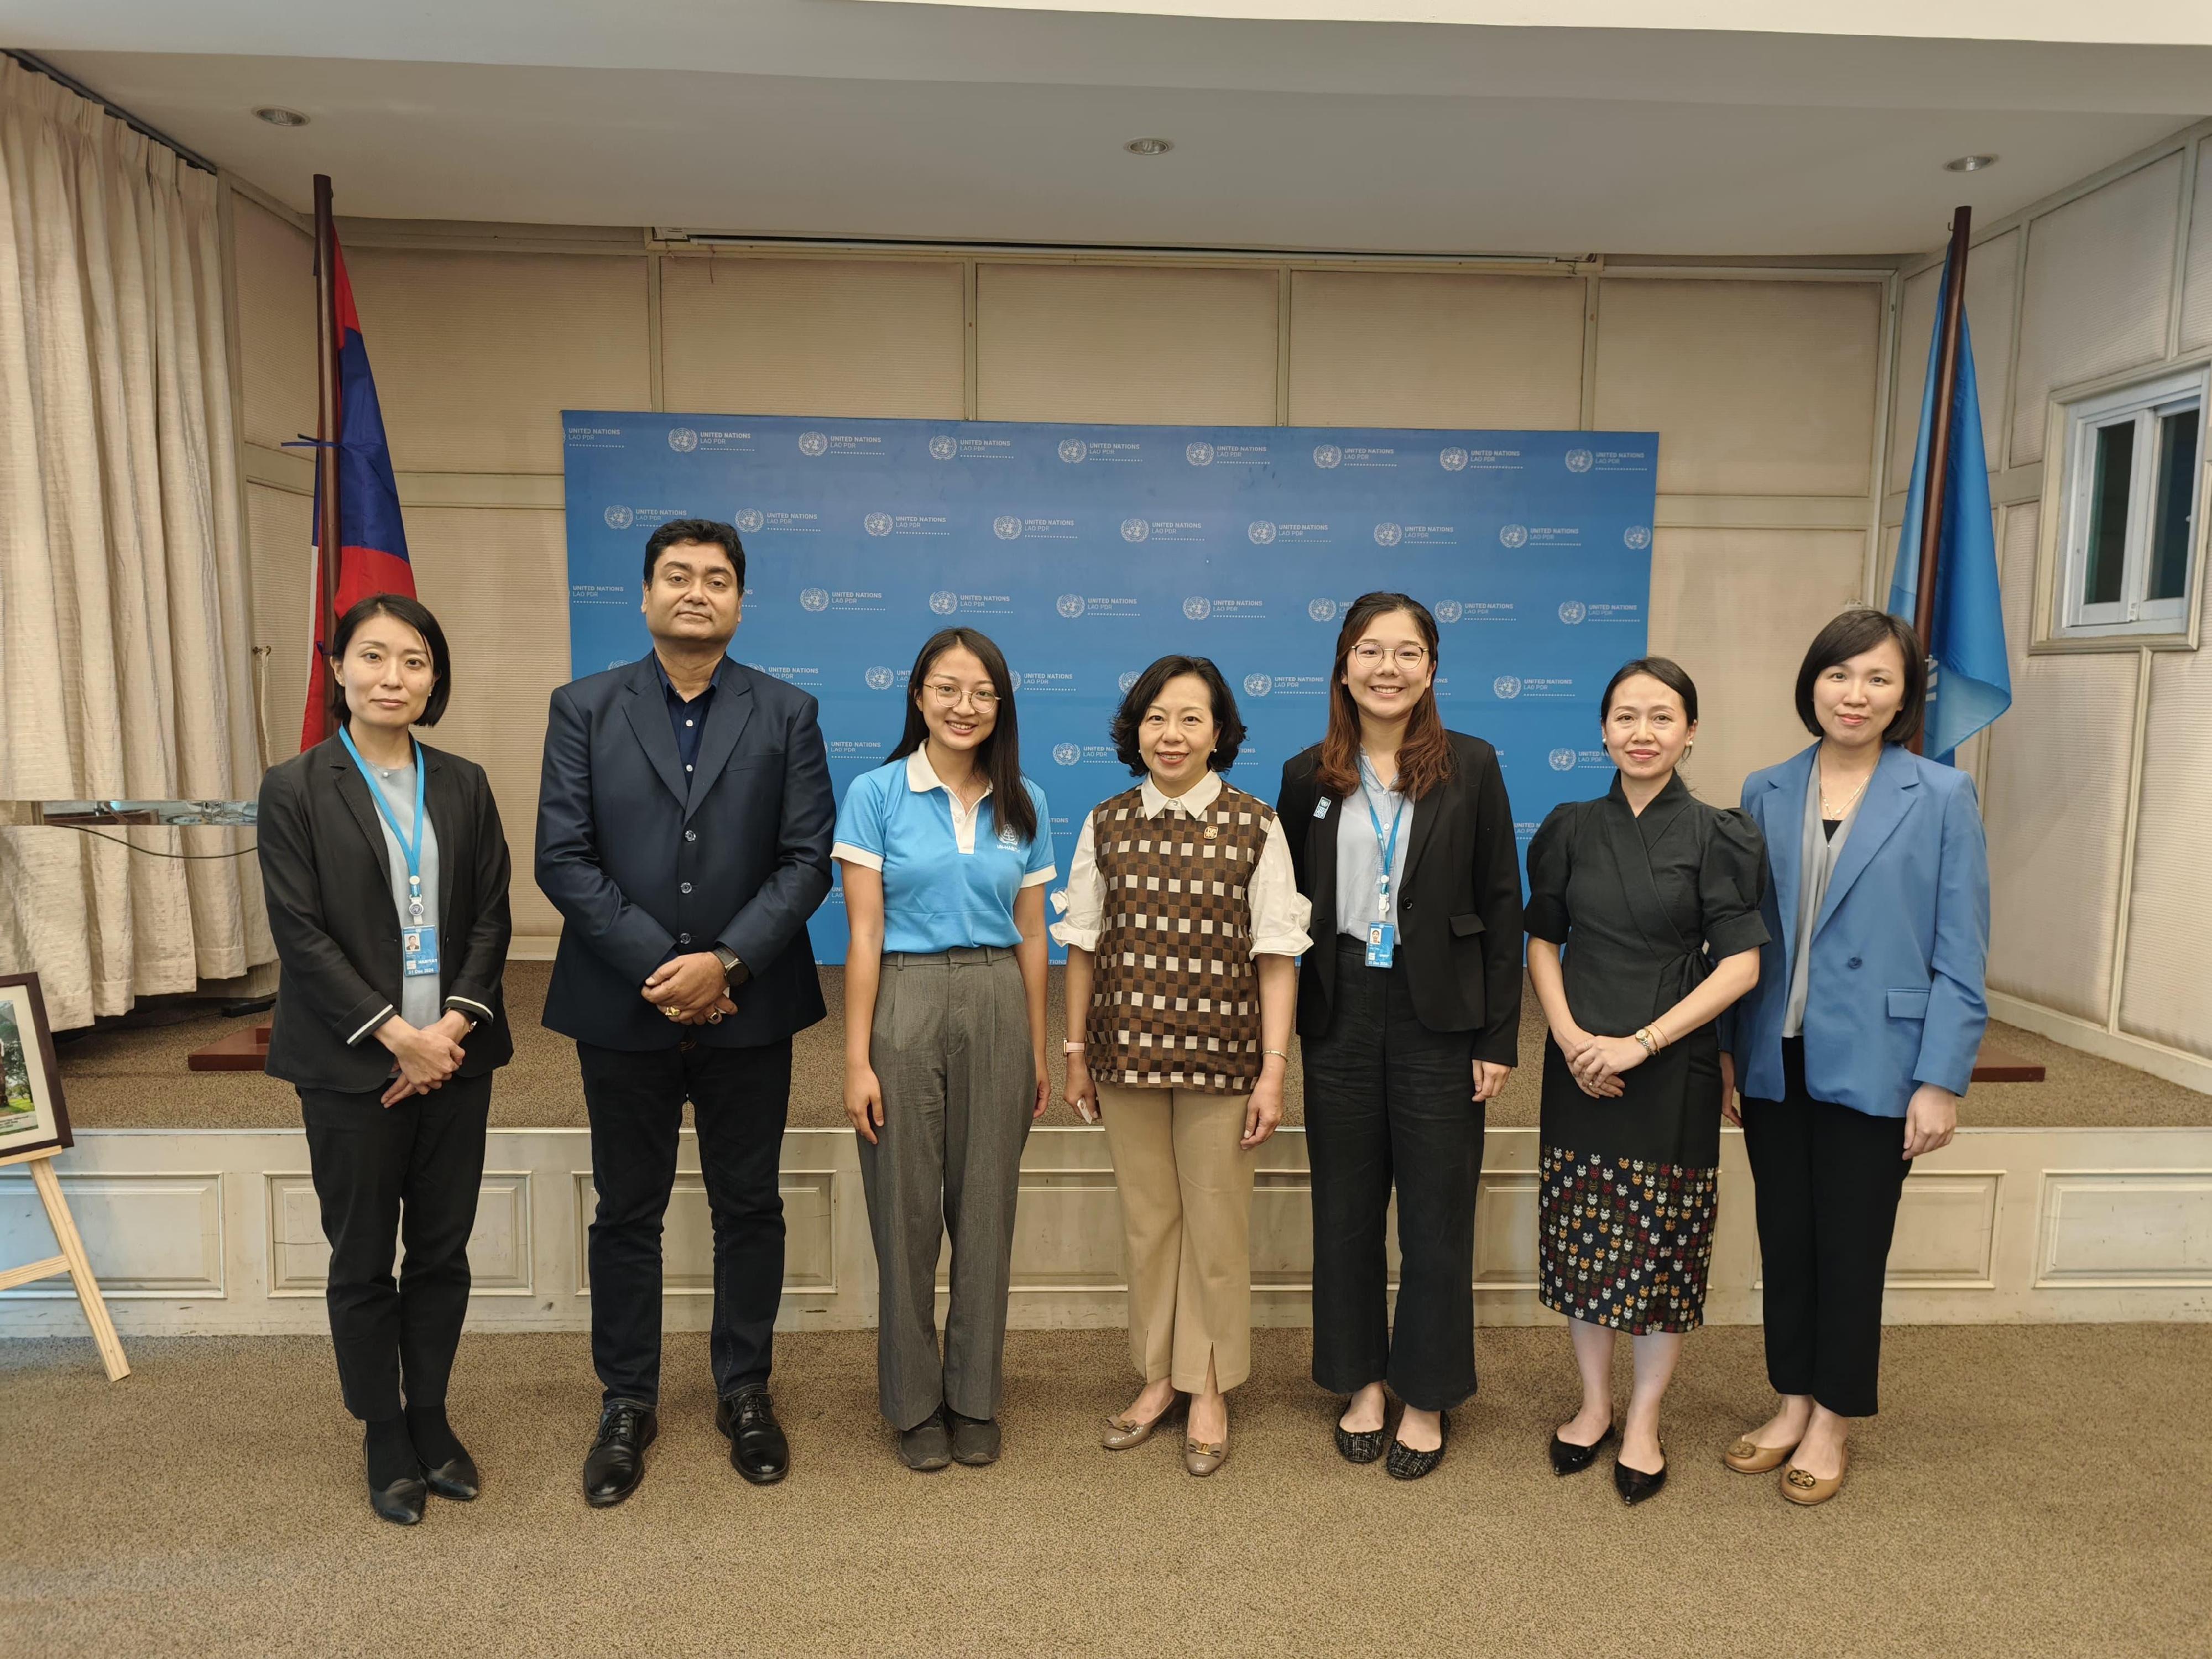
2170, 539
2107, 552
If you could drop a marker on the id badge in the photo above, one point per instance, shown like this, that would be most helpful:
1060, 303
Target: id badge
1382, 943
419, 951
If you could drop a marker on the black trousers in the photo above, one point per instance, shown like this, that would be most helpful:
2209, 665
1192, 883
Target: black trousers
384, 1176
1828, 1182
740, 1097
1389, 1101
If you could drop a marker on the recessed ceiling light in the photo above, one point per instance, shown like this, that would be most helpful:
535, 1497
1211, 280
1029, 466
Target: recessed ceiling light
1149, 146
1969, 163
277, 117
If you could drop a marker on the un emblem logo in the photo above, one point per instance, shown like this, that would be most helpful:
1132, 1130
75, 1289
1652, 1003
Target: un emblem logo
1563, 760
1135, 530
1197, 609
1505, 686
619, 518
1127, 679
1579, 460
1072, 450
943, 446
1513, 535
1258, 685
878, 524
1452, 460
1636, 536
1327, 456
749, 518
1013, 680
1008, 838
1389, 535
879, 679
1261, 531
1005, 526
813, 443
1450, 610
813, 599
944, 602
1067, 754
1321, 610
682, 439
1069, 605
1199, 454
1573, 612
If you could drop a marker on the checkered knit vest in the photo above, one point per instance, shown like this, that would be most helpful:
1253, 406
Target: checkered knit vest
1175, 1001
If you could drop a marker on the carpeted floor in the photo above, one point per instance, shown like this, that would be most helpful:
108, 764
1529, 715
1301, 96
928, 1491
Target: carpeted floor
2033, 1491
132, 1074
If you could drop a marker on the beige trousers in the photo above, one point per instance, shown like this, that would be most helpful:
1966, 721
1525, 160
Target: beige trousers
1187, 1215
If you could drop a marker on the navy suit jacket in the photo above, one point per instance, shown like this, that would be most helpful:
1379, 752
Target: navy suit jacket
644, 864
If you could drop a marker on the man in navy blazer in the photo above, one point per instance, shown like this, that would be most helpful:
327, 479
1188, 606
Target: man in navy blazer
684, 831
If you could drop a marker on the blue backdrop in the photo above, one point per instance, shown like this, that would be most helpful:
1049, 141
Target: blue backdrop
1087, 551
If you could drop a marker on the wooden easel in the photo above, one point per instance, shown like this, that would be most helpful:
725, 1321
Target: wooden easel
72, 1260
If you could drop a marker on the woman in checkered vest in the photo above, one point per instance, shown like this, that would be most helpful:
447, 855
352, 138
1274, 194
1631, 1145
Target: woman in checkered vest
1184, 923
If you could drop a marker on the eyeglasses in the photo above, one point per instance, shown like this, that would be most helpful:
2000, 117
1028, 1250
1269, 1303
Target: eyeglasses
946, 694
1408, 656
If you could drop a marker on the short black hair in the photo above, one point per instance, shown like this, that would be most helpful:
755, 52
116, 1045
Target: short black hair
400, 607
707, 532
1665, 670
1228, 724
1857, 631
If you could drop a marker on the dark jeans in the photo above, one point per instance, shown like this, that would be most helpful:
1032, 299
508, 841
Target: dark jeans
1388, 1097
384, 1174
739, 1099
1828, 1182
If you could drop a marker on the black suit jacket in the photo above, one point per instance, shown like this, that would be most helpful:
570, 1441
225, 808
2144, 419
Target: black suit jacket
328, 882
644, 864
1459, 905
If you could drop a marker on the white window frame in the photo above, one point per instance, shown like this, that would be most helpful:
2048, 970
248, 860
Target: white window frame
2132, 617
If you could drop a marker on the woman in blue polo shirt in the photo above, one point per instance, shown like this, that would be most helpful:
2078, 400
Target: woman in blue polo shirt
945, 852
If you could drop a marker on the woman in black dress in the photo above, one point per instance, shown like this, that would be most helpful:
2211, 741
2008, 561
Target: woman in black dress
1655, 896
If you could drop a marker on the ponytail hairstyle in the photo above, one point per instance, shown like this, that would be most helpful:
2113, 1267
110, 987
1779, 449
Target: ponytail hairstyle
1424, 756
999, 756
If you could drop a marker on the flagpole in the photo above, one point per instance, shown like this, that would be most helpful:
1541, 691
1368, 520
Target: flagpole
1939, 438
326, 410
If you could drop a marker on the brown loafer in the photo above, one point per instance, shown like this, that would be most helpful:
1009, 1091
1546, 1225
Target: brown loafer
1746, 1458
1801, 1488
1202, 1457
1119, 1434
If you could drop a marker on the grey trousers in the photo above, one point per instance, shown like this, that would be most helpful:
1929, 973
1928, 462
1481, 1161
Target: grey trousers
950, 1049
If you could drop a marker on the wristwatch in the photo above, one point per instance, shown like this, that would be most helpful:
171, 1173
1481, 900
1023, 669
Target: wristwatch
732, 969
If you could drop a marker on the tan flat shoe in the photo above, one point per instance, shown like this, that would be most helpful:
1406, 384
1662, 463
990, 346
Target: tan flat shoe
1801, 1488
1747, 1458
1120, 1434
1202, 1457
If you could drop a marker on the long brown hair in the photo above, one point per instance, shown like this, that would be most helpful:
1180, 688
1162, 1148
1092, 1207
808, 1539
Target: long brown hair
999, 757
1424, 756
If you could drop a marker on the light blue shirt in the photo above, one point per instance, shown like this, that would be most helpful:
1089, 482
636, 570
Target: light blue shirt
1359, 856
949, 874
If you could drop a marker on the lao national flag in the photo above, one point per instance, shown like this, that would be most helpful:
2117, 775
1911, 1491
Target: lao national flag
1973, 678
372, 544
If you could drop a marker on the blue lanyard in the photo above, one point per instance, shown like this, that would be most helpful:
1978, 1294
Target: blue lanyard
1388, 848
412, 849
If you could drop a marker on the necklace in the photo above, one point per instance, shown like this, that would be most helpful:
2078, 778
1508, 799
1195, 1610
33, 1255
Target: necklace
1828, 812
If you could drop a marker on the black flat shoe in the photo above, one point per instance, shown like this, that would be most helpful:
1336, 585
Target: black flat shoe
456, 1479
401, 1503
1406, 1464
615, 1463
1633, 1485
1360, 1445
974, 1439
927, 1446
1568, 1458
758, 1450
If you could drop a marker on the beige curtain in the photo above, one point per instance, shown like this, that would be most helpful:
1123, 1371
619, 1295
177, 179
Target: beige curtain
126, 655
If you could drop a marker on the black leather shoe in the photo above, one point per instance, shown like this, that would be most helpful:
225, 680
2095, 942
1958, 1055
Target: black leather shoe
400, 1502
1633, 1485
616, 1462
455, 1477
1568, 1458
1360, 1445
1406, 1464
927, 1446
974, 1439
758, 1450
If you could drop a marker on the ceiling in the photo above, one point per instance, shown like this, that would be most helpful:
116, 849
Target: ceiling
849, 119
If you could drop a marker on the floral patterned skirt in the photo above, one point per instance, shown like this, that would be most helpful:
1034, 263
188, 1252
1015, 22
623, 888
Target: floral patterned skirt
1623, 1242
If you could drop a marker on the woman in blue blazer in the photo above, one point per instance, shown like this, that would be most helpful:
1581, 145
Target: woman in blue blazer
1852, 1051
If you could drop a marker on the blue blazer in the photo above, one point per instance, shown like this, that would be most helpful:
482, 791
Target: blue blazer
644, 864
1899, 947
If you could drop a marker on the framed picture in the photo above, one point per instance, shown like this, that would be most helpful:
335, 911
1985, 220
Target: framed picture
33, 1118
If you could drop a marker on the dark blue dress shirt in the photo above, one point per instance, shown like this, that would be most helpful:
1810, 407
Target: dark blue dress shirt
689, 719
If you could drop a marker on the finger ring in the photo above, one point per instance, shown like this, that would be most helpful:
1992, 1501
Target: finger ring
670, 1013
714, 1018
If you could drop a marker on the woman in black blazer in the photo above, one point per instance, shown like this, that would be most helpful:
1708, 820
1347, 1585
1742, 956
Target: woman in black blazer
392, 936
1410, 1018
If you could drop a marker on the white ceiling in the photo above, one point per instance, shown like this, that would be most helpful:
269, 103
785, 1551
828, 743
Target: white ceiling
840, 119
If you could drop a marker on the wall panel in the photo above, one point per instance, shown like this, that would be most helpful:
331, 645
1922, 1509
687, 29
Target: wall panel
1754, 388
2197, 288
2099, 271
278, 526
813, 336
1991, 274
2167, 993
1126, 344
1435, 349
477, 355
275, 325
